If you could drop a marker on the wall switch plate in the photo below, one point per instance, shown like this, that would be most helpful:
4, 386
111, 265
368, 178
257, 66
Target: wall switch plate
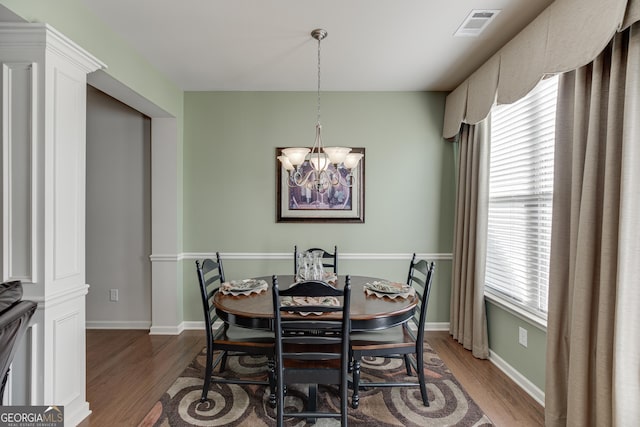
522, 336
113, 295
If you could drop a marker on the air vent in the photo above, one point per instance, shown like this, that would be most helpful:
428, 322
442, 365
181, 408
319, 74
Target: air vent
476, 22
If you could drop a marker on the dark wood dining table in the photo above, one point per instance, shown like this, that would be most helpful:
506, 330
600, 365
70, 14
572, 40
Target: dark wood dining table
368, 312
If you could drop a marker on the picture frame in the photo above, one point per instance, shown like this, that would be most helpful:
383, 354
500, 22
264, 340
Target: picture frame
339, 204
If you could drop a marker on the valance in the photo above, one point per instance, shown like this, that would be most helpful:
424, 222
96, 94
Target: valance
566, 35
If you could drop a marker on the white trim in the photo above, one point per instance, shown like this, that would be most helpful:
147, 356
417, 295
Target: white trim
289, 256
59, 297
7, 131
516, 310
166, 330
117, 324
41, 35
397, 256
239, 255
7, 170
165, 258
436, 326
431, 326
533, 390
35, 200
193, 325
116, 89
34, 363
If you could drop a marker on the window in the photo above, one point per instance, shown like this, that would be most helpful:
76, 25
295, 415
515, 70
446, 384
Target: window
520, 199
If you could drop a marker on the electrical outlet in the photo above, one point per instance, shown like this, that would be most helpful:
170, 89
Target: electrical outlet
113, 295
522, 336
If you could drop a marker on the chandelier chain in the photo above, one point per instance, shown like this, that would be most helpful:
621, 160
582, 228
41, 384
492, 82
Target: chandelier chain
319, 39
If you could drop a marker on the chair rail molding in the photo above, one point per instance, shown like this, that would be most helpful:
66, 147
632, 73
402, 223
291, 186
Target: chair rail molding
289, 255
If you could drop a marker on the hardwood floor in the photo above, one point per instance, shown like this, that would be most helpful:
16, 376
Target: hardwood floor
128, 371
498, 396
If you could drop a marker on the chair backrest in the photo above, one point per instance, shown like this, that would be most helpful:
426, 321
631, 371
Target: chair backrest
420, 278
210, 277
328, 259
321, 335
15, 314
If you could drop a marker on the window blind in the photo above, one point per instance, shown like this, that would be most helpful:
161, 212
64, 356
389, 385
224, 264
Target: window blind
520, 198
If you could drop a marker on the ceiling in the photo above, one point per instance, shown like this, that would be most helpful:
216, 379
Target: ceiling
260, 45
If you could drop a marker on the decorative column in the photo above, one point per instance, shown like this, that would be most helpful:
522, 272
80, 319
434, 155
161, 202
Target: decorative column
43, 91
166, 275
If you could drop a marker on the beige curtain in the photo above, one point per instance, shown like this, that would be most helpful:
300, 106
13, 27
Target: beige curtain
468, 322
593, 334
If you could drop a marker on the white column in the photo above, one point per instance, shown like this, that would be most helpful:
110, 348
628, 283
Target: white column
166, 298
43, 206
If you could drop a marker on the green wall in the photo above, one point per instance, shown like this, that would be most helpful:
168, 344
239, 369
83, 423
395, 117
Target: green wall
230, 139
503, 340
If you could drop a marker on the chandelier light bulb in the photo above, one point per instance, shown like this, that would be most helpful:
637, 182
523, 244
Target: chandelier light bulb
296, 155
352, 159
319, 162
286, 163
337, 154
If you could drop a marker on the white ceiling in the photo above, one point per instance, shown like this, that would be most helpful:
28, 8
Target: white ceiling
265, 45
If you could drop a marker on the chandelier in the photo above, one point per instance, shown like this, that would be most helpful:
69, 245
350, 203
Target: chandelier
320, 167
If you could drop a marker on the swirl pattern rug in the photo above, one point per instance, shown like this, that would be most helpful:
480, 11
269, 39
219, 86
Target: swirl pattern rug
248, 405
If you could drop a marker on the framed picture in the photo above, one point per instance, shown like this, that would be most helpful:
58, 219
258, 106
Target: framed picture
340, 202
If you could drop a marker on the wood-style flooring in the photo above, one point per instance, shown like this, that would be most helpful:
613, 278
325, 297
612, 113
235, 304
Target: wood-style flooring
128, 371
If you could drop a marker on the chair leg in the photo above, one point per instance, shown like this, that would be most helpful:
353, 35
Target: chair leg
312, 404
421, 377
344, 396
271, 366
223, 362
407, 364
207, 375
355, 399
280, 390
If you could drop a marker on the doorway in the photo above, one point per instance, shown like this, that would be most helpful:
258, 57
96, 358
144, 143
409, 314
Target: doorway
118, 221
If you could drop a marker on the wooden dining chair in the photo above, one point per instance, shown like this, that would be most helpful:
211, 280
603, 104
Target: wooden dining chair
399, 341
228, 340
329, 259
312, 344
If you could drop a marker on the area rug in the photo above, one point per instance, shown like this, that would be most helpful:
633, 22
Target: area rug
247, 405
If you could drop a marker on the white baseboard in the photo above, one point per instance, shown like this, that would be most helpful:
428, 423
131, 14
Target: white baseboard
193, 326
166, 330
436, 326
117, 324
533, 390
76, 415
